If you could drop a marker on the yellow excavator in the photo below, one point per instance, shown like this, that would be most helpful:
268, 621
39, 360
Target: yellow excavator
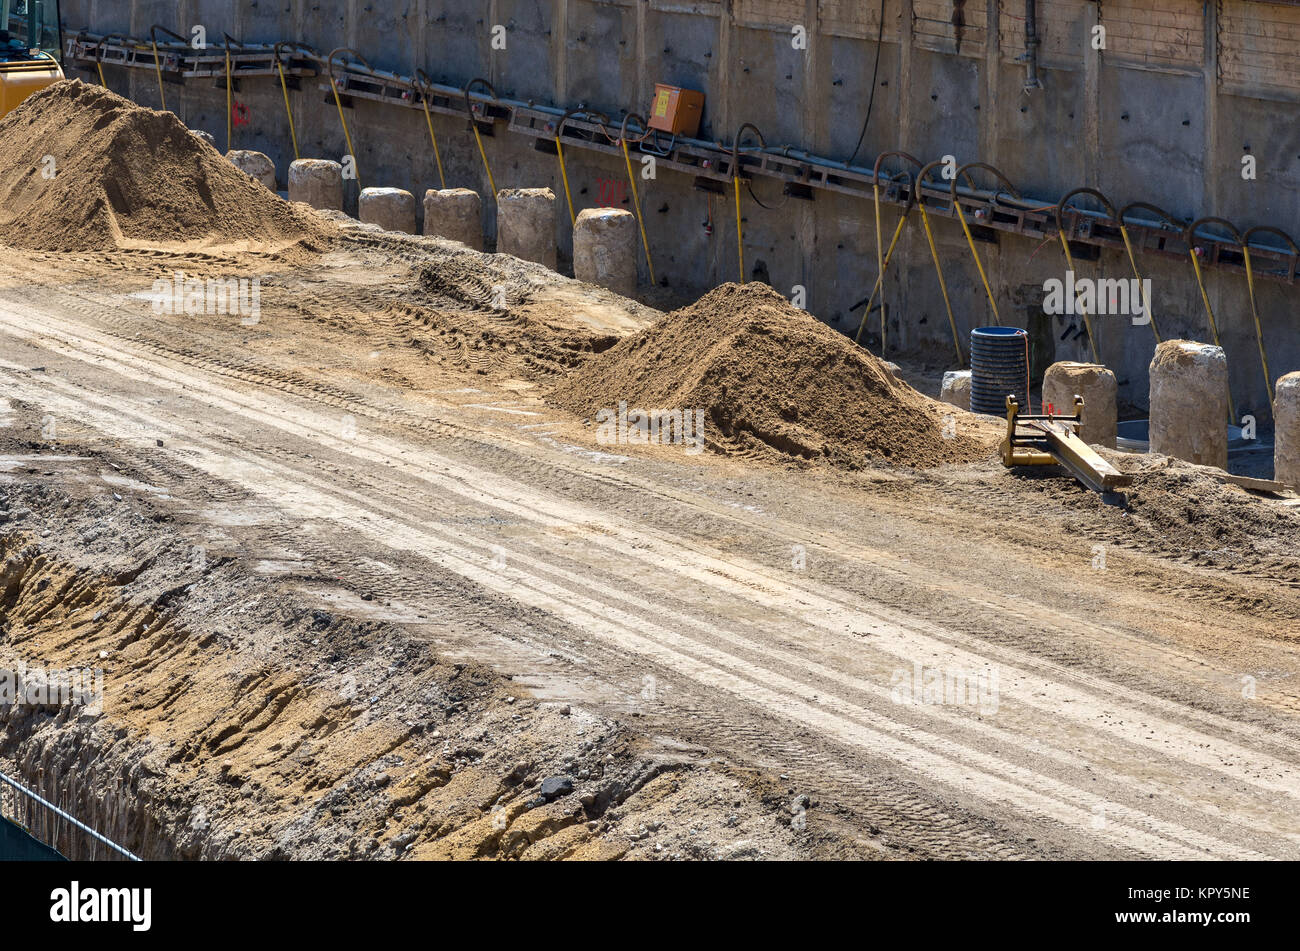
31, 49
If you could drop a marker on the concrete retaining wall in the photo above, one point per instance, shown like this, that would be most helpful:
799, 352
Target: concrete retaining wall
1150, 119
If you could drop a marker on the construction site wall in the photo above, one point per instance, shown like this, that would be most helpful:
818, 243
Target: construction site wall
1181, 94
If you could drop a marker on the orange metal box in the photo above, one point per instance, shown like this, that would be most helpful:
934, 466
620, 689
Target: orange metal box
677, 110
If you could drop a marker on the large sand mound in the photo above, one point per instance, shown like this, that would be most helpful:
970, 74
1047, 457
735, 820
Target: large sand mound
123, 173
773, 378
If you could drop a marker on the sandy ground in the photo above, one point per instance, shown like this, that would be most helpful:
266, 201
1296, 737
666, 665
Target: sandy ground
713, 650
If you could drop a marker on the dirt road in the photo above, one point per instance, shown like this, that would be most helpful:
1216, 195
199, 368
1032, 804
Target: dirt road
1133, 684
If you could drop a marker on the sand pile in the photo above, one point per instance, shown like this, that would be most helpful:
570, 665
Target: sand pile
123, 173
772, 378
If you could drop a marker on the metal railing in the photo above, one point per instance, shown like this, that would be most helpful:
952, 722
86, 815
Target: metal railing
54, 827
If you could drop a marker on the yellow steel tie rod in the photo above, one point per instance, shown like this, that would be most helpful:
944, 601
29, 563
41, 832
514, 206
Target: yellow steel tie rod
422, 80
157, 63
284, 88
1069, 258
338, 104
1175, 228
1190, 237
636, 198
934, 253
230, 104
473, 124
882, 259
157, 68
564, 172
735, 184
970, 239
1250, 284
99, 55
877, 288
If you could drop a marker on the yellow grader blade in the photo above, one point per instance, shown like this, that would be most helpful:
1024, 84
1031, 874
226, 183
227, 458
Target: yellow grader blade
1054, 440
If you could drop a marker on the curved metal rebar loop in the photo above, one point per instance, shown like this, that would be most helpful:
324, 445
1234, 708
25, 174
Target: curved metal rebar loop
970, 239
1189, 234
1268, 229
964, 170
640, 121
329, 60
98, 47
1106, 203
477, 81
293, 44
875, 169
926, 170
735, 146
1175, 225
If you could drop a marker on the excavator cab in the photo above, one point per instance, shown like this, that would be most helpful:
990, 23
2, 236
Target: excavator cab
31, 49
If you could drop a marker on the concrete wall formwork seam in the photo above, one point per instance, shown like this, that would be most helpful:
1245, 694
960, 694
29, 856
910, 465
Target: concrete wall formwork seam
1187, 105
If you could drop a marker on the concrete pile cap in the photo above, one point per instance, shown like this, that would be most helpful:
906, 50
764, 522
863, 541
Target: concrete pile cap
1096, 384
1188, 353
255, 164
588, 214
955, 389
450, 193
315, 166
1286, 436
1081, 371
508, 193
387, 192
248, 155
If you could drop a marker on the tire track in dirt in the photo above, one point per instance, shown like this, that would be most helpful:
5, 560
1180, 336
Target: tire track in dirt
779, 698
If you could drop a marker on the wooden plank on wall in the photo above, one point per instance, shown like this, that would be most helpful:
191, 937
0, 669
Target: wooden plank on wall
860, 18
950, 26
1259, 50
1155, 32
774, 13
